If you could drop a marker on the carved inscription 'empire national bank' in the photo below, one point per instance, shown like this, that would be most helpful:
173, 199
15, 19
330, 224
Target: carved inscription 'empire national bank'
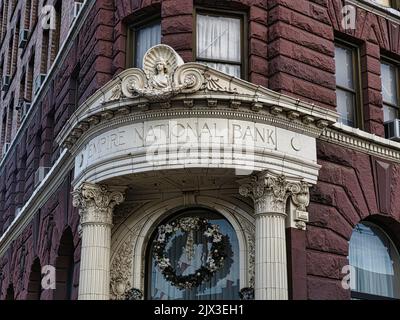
193, 135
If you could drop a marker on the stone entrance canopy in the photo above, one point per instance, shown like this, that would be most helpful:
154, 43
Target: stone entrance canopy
173, 115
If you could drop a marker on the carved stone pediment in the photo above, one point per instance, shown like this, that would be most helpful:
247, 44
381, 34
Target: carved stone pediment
166, 81
164, 76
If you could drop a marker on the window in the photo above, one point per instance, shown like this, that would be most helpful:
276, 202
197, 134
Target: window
10, 295
44, 65
219, 42
385, 3
74, 87
65, 267
1, 21
29, 82
143, 38
390, 93
10, 71
4, 20
376, 264
3, 132
34, 285
15, 47
55, 34
347, 85
10, 119
28, 9
34, 14
388, 3
188, 252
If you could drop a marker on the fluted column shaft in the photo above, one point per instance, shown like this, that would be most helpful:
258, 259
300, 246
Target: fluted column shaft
270, 258
96, 204
270, 193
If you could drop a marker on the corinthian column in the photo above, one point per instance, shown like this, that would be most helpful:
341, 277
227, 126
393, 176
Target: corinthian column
96, 204
270, 193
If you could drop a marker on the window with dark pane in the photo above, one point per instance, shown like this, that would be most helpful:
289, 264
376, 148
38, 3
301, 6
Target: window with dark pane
145, 37
376, 264
346, 85
389, 91
225, 283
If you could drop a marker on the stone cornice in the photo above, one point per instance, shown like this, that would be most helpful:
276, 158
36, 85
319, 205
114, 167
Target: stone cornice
191, 86
385, 12
362, 141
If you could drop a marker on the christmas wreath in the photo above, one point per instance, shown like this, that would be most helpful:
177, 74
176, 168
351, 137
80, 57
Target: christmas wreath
215, 258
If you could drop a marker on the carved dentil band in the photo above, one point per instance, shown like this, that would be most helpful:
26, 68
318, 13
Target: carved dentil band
96, 203
271, 191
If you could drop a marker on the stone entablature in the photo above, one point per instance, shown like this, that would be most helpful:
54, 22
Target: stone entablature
114, 131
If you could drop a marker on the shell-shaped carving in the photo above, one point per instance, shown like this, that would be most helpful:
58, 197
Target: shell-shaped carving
161, 53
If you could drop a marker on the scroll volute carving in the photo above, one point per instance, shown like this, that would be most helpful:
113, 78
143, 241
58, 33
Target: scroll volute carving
164, 75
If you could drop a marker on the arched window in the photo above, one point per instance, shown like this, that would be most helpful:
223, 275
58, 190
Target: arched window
187, 242
35, 285
376, 263
10, 295
65, 267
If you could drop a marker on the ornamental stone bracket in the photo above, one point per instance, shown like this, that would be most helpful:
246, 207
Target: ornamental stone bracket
166, 83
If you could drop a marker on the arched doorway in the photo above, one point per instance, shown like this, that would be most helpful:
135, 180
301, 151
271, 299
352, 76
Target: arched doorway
65, 267
201, 249
10, 295
35, 285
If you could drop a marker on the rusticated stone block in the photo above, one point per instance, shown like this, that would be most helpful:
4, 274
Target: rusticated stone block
327, 241
325, 265
325, 289
329, 217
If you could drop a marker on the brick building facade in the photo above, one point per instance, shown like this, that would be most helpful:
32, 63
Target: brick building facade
288, 47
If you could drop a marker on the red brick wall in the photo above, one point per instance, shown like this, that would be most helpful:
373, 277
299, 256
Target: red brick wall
92, 55
352, 187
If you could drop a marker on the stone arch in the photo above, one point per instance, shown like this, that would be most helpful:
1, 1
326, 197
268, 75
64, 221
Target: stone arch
65, 267
132, 236
10, 294
34, 284
389, 224
367, 256
224, 4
